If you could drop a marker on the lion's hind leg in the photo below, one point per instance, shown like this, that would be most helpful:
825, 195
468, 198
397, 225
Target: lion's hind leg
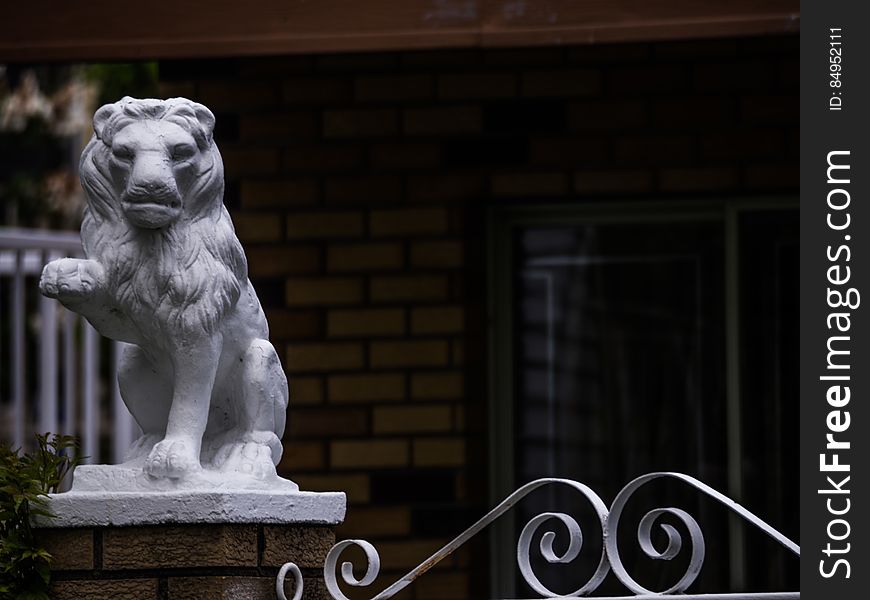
254, 445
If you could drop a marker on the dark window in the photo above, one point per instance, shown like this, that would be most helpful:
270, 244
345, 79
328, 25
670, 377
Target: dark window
644, 342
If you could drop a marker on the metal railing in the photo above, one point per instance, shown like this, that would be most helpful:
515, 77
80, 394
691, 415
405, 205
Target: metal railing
610, 561
60, 374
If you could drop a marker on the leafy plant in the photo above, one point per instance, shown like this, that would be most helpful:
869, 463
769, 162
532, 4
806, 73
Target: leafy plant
25, 482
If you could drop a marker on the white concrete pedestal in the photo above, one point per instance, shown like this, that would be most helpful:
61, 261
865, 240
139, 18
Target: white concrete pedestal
113, 495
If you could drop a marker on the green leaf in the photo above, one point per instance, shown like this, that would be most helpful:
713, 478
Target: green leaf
25, 481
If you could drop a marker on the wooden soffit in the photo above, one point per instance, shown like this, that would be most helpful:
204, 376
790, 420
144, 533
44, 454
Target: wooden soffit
87, 30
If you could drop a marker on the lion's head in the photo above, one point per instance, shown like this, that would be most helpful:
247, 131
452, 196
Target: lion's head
154, 182
156, 155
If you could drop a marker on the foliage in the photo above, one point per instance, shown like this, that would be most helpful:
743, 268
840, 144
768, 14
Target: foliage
40, 127
45, 120
25, 480
117, 80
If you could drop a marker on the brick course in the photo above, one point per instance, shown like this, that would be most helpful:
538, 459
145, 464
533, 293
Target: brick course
184, 562
126, 548
377, 387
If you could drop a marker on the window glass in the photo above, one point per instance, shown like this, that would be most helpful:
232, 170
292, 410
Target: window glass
770, 411
619, 354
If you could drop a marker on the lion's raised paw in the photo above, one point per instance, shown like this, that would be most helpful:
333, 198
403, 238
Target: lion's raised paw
70, 278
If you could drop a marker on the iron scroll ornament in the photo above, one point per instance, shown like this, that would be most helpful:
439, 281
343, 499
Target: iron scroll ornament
610, 558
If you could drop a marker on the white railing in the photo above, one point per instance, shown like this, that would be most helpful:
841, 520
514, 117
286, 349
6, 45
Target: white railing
609, 562
61, 374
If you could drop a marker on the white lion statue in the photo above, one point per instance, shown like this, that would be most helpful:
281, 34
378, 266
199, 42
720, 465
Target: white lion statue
165, 273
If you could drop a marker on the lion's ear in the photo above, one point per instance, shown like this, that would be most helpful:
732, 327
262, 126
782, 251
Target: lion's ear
206, 119
101, 117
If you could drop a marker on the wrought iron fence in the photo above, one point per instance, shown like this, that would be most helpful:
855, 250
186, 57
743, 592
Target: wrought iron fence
610, 561
61, 375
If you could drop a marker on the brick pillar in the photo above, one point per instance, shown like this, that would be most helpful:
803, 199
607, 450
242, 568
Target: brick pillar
175, 562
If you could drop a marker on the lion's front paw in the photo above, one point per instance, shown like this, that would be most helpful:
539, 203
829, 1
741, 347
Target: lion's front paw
70, 279
172, 458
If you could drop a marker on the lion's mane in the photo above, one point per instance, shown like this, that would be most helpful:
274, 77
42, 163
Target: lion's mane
189, 274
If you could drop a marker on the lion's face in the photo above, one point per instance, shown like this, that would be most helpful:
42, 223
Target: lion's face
152, 164
156, 155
